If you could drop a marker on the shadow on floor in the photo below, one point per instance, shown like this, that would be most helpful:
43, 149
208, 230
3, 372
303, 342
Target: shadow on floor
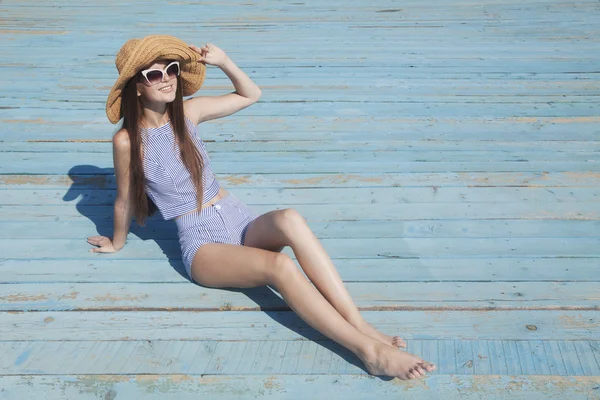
96, 205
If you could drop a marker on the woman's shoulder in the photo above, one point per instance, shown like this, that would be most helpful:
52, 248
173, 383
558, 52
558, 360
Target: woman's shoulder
121, 140
187, 110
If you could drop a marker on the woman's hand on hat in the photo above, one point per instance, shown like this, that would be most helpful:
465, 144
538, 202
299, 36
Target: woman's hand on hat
210, 54
104, 244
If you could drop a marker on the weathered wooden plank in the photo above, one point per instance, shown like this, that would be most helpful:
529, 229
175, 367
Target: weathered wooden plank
554, 353
313, 213
425, 78
370, 28
463, 357
298, 154
389, 295
337, 90
394, 248
509, 349
359, 105
541, 361
250, 358
433, 148
103, 178
572, 367
267, 128
375, 10
223, 33
264, 20
427, 72
286, 325
430, 127
446, 361
415, 61
481, 358
159, 229
338, 51
523, 351
358, 387
432, 82
35, 165
586, 357
455, 57
367, 195
517, 19
497, 356
362, 109
421, 269
95, 68
415, 5
30, 130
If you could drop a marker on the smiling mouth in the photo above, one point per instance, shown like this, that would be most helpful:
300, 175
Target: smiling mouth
166, 88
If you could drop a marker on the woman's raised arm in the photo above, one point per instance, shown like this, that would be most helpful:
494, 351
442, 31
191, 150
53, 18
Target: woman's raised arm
205, 108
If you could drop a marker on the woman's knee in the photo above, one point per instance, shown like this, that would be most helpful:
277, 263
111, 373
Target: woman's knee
283, 269
274, 230
288, 218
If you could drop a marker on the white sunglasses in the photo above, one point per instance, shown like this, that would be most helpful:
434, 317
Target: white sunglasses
154, 76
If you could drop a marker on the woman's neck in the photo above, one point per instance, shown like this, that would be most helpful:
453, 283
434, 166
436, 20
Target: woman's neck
154, 117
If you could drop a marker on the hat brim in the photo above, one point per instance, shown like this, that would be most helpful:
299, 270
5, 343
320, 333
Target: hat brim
145, 52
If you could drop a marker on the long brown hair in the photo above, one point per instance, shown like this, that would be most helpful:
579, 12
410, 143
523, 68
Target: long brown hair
131, 108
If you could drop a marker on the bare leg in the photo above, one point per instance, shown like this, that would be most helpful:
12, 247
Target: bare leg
225, 265
280, 228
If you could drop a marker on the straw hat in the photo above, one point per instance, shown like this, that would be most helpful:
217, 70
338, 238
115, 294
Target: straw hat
139, 53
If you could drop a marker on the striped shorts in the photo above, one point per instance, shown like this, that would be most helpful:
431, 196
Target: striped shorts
225, 221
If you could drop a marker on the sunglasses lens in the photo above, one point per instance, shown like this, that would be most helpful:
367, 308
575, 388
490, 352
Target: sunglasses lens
154, 76
173, 71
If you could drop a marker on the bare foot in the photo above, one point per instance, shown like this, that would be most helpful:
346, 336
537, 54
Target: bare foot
384, 360
394, 341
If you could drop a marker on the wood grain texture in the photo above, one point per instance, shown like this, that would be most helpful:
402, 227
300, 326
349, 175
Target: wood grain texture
422, 269
266, 357
447, 156
230, 325
366, 295
189, 386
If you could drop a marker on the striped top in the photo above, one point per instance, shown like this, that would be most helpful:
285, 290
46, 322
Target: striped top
167, 181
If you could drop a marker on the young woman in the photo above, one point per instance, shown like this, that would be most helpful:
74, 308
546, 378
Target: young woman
161, 162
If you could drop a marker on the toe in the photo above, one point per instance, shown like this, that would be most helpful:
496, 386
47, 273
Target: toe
420, 370
429, 367
415, 372
410, 376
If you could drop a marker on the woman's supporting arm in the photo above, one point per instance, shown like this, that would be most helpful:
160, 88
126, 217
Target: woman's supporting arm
124, 206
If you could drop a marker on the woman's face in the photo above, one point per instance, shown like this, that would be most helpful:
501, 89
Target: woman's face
162, 92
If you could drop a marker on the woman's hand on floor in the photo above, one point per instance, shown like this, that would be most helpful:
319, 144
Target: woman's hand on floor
104, 244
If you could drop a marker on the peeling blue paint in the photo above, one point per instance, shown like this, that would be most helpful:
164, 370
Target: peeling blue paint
22, 357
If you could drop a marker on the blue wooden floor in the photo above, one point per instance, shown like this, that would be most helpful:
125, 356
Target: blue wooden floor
446, 153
